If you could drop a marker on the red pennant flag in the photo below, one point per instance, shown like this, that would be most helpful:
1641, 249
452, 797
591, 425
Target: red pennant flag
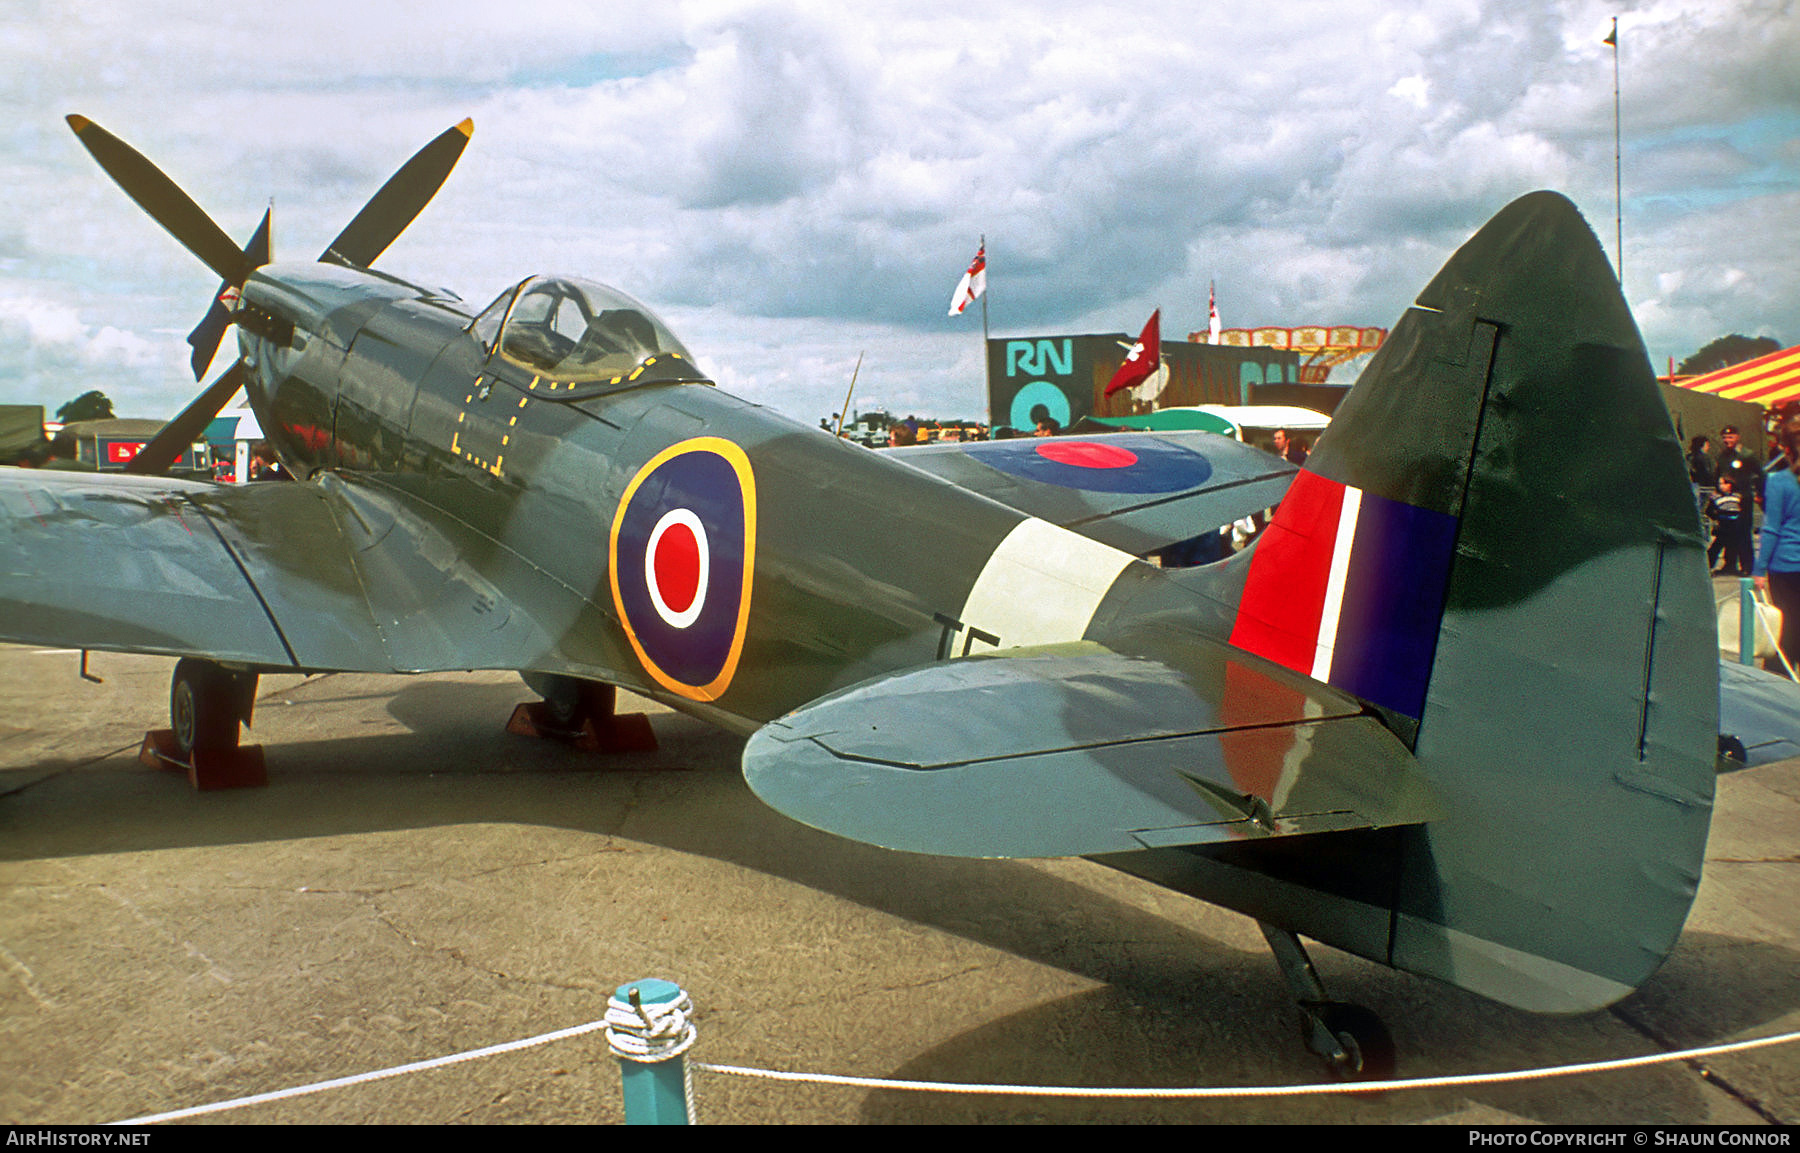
1144, 358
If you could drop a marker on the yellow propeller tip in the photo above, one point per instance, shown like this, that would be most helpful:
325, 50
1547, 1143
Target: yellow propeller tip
467, 127
78, 122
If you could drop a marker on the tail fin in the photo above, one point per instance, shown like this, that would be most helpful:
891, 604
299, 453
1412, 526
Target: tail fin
1495, 544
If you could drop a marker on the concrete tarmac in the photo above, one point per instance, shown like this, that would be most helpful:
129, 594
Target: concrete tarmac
414, 882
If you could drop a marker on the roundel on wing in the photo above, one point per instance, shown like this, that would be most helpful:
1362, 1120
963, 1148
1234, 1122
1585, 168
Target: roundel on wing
1142, 464
682, 551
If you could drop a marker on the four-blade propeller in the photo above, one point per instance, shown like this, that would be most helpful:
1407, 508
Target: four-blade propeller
381, 220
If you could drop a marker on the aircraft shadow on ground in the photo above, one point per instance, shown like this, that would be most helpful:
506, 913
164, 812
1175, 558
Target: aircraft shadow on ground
457, 766
1108, 1037
1179, 1008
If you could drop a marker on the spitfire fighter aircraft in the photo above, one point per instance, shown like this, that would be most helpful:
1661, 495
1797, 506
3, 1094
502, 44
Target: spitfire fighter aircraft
1455, 711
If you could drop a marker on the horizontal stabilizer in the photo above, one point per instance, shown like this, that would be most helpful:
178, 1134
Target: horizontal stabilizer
1136, 491
1761, 710
1069, 750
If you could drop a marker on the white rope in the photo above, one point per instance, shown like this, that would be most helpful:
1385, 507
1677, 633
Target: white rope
363, 1078
993, 1090
649, 1034
654, 1033
1253, 1091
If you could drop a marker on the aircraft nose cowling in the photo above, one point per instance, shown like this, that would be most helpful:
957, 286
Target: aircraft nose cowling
318, 299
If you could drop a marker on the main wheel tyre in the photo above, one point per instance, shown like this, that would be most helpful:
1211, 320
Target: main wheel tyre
570, 702
1365, 1039
202, 707
567, 701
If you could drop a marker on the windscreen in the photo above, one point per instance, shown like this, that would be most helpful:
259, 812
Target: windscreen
576, 330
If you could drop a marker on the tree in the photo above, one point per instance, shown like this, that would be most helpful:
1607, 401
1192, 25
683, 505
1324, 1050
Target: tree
92, 405
1725, 352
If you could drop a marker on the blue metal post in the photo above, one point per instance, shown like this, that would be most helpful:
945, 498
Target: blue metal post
655, 1088
1746, 621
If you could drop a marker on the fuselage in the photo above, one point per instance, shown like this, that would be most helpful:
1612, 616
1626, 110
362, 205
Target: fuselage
715, 554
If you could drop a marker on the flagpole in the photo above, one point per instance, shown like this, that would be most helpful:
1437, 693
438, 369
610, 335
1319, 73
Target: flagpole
848, 394
1159, 355
1618, 184
987, 366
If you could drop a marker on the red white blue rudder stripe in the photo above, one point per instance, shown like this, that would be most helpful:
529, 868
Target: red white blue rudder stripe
1348, 588
681, 557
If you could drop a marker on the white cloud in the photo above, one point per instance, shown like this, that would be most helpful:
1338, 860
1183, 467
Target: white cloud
56, 329
803, 180
1415, 90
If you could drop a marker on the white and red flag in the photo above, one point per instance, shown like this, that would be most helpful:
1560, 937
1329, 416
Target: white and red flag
973, 283
1212, 315
1143, 360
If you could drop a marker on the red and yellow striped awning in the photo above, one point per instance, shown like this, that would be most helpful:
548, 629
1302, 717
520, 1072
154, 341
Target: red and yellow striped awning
1767, 380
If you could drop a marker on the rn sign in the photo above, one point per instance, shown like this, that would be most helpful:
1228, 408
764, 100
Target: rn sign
1029, 380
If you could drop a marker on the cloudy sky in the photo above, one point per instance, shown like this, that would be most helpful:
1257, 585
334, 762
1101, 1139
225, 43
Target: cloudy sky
794, 184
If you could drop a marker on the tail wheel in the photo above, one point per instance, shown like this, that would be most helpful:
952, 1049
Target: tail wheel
1367, 1044
204, 706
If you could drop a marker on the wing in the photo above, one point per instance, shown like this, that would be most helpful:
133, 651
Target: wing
1135, 491
334, 575
1071, 750
1761, 710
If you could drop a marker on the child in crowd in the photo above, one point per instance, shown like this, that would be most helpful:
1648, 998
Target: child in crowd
1730, 517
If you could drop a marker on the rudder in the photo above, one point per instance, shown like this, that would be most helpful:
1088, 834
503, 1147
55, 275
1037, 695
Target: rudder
1495, 544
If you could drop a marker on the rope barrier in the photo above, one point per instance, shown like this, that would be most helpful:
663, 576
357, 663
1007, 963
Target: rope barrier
649, 1025
994, 1090
650, 1034
363, 1078
1257, 1091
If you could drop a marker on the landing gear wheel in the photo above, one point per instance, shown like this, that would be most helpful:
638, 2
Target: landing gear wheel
567, 701
203, 707
582, 713
1368, 1046
207, 704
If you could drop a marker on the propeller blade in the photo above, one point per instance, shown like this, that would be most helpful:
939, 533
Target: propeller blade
211, 330
174, 438
406, 193
166, 203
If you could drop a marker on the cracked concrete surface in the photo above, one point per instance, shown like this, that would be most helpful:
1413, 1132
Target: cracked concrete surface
415, 883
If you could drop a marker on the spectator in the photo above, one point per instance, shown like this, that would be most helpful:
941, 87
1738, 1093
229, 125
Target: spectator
1740, 463
1778, 560
1289, 448
1729, 511
1701, 469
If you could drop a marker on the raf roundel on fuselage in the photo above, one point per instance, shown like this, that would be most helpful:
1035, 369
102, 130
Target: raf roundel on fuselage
681, 555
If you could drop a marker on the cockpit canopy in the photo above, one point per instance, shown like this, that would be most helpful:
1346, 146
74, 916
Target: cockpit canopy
574, 330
